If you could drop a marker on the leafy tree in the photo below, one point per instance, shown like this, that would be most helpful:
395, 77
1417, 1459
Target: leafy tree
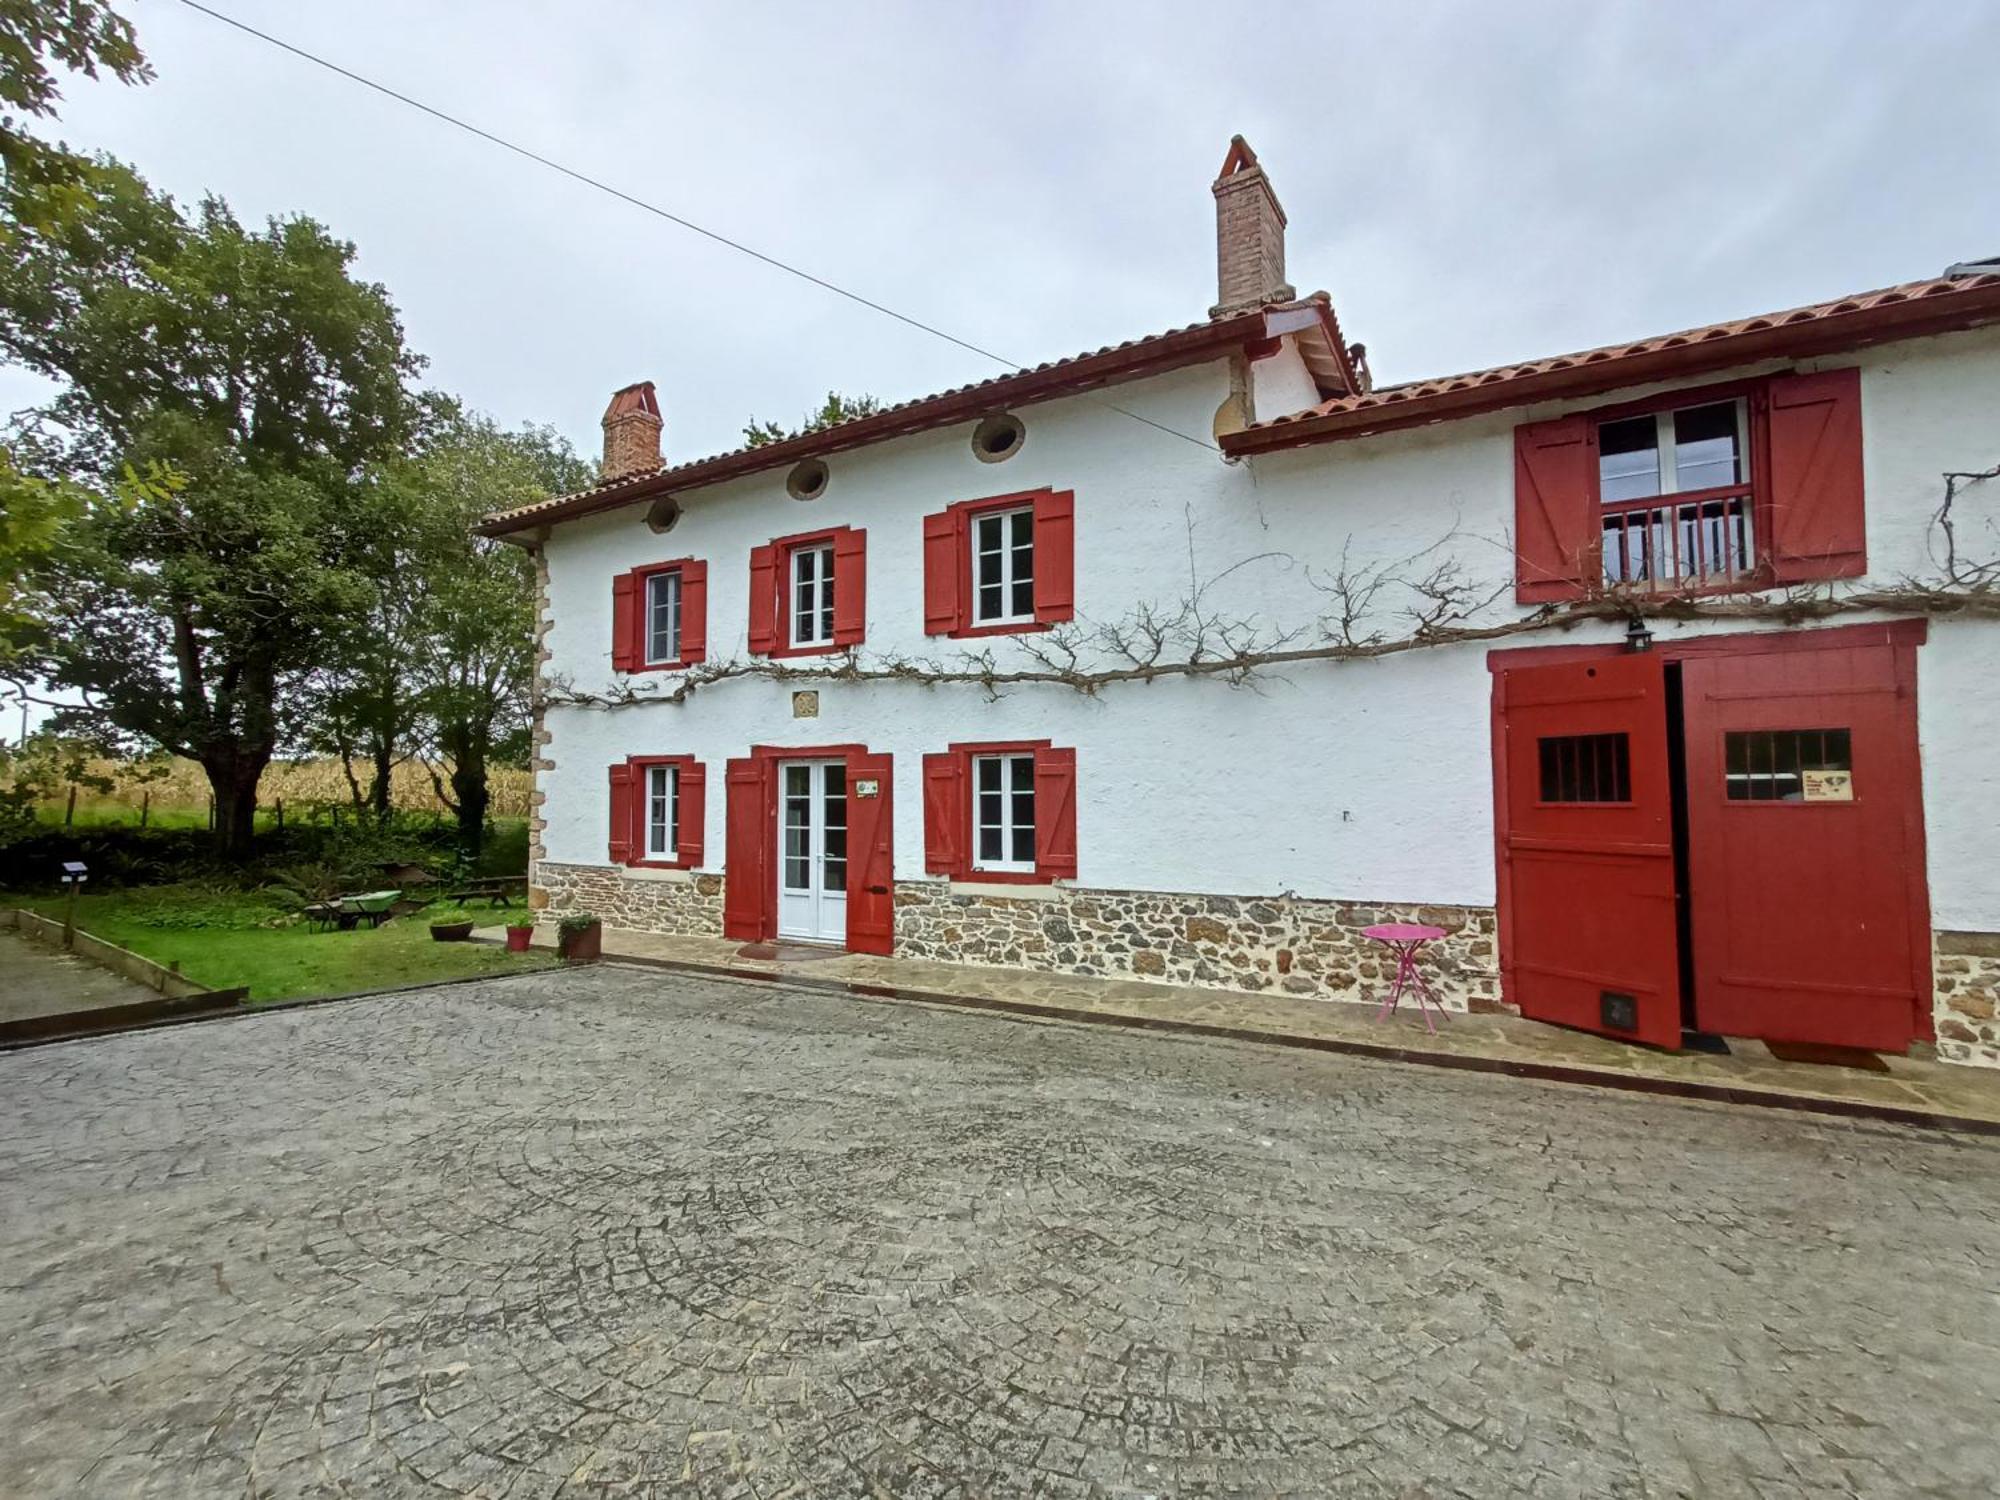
477, 613
82, 36
835, 410
440, 662
34, 515
255, 380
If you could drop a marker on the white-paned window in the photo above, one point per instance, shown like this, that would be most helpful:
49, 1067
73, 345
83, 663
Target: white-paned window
663, 812
1672, 452
812, 596
1003, 812
1003, 567
1675, 485
663, 617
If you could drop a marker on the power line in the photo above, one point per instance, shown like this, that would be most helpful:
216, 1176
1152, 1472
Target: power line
653, 208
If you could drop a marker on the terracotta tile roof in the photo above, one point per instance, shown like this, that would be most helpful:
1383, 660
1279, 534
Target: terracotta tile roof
1938, 305
1134, 357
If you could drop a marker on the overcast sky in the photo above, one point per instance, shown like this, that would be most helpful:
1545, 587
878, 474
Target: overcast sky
1474, 183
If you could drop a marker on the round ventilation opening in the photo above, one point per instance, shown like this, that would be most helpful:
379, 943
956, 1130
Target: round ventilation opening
663, 513
807, 481
998, 438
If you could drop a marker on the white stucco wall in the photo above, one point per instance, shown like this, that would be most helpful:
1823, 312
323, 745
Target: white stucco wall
1359, 780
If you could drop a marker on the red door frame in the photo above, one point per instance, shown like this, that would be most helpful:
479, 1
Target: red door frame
1903, 635
857, 862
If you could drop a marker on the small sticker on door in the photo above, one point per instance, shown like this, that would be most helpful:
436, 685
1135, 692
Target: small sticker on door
867, 786
1828, 786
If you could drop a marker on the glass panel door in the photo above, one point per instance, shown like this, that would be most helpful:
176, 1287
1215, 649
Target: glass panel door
812, 851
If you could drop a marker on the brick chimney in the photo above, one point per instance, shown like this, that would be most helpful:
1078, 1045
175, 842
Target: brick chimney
631, 433
1249, 236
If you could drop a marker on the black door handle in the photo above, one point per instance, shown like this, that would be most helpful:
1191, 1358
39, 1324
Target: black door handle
878, 890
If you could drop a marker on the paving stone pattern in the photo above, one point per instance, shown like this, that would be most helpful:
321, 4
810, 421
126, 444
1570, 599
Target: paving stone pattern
614, 1232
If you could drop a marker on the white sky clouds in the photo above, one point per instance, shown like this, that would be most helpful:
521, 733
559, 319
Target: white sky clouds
1473, 183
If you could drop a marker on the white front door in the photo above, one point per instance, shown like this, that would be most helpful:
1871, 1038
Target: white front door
812, 850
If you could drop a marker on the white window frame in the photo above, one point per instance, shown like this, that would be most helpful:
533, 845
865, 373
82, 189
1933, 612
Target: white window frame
1007, 826
819, 620
663, 784
1008, 577
1666, 457
655, 581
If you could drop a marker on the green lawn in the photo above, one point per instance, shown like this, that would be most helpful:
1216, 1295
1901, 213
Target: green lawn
222, 940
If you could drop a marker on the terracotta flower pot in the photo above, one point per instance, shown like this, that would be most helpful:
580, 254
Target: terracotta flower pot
518, 938
583, 945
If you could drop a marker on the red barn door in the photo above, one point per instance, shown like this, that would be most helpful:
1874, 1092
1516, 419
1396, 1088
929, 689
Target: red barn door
1588, 880
1805, 831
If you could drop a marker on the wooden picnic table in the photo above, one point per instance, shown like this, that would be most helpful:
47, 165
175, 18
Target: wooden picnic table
497, 890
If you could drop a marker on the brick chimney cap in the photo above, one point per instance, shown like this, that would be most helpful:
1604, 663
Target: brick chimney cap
1240, 158
636, 398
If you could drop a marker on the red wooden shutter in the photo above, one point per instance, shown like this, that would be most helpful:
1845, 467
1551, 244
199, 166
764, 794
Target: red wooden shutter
694, 810
624, 623
947, 819
764, 599
850, 587
871, 863
748, 892
1818, 519
694, 612
624, 815
1556, 535
1055, 556
1055, 814
945, 568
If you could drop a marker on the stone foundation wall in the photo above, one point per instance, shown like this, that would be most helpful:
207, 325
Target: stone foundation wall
1966, 966
1313, 949
635, 901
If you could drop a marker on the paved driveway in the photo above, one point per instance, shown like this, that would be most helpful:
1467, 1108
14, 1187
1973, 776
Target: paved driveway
613, 1233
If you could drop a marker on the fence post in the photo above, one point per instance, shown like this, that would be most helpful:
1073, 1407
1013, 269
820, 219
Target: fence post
69, 814
281, 813
145, 806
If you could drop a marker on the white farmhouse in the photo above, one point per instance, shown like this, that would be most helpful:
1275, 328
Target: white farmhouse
1657, 675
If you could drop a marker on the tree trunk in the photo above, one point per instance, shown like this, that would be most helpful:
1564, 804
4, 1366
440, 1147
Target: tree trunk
468, 788
378, 788
233, 779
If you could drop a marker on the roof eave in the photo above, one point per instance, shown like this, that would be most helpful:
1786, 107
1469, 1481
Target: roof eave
1913, 318
1136, 361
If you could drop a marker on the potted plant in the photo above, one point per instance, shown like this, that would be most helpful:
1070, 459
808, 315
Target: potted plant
519, 936
580, 938
451, 932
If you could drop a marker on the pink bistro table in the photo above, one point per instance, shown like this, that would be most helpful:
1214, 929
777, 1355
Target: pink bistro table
1405, 939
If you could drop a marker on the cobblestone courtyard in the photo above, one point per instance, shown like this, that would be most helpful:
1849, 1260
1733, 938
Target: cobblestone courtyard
614, 1232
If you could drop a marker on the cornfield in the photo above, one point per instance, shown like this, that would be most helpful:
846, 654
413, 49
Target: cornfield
298, 784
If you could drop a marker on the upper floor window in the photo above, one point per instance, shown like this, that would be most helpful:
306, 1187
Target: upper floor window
663, 617
812, 596
999, 564
1003, 566
659, 616
808, 593
1749, 484
1678, 504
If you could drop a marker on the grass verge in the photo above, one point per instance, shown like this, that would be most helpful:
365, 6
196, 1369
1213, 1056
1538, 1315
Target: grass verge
223, 939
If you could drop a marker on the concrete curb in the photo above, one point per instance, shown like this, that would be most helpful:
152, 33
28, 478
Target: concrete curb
1714, 1093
